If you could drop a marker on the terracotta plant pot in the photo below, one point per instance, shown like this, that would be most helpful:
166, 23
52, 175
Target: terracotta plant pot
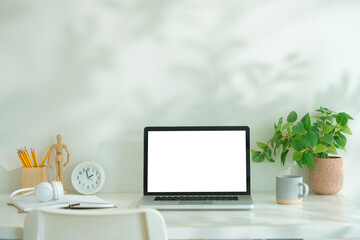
328, 176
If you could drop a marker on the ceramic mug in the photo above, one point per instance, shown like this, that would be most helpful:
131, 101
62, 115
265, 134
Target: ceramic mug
290, 189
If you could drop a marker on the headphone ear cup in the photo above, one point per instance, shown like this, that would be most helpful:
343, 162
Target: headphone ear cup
44, 192
58, 190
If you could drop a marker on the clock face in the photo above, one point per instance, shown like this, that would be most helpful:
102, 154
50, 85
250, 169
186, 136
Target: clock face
88, 177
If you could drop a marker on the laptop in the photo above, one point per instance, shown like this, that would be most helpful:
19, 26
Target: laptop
197, 168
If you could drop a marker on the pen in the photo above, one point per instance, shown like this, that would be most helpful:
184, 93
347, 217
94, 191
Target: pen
73, 205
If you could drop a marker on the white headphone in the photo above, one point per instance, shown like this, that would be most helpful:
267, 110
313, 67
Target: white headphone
43, 192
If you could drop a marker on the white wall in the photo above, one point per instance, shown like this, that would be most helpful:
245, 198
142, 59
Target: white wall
99, 71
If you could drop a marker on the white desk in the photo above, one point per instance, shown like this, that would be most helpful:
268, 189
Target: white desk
318, 217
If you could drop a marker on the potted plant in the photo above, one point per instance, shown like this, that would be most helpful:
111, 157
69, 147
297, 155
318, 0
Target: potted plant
313, 144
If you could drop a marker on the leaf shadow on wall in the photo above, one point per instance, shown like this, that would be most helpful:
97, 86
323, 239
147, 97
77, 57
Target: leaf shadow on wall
143, 18
213, 89
226, 93
82, 56
343, 94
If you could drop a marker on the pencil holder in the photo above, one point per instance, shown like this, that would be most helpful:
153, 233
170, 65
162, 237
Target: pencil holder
31, 177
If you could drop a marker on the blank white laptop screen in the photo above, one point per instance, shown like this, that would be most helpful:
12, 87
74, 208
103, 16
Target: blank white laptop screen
196, 161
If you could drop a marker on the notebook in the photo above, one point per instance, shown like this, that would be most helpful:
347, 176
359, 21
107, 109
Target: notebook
28, 203
197, 168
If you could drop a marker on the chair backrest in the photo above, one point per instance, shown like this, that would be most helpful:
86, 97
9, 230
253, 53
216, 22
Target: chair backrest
133, 224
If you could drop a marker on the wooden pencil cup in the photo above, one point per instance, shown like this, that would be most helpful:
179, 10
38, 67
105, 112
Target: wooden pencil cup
31, 177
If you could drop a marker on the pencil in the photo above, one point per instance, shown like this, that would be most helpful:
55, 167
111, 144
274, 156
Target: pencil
47, 155
24, 158
33, 153
28, 156
21, 160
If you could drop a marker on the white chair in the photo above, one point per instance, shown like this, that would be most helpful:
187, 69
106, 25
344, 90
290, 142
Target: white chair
134, 224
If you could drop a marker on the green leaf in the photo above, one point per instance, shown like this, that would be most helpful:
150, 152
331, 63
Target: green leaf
278, 127
261, 145
299, 163
332, 150
297, 144
286, 125
258, 157
340, 139
309, 159
281, 121
285, 143
267, 152
297, 156
318, 124
327, 128
346, 130
310, 139
346, 115
342, 119
275, 139
305, 140
252, 151
292, 117
315, 130
328, 138
319, 110
306, 121
283, 156
313, 138
299, 128
324, 110
321, 148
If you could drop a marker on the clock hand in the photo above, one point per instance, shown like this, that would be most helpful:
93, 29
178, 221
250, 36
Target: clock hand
90, 177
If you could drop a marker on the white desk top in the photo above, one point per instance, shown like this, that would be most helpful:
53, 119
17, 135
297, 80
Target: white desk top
317, 217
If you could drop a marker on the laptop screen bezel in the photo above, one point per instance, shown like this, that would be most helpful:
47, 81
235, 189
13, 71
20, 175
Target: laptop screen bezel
197, 128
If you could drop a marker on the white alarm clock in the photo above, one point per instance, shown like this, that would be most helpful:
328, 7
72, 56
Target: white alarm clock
88, 177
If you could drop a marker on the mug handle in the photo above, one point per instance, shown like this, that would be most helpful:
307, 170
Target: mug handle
305, 190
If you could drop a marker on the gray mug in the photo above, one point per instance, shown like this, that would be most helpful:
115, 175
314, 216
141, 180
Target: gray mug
290, 189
